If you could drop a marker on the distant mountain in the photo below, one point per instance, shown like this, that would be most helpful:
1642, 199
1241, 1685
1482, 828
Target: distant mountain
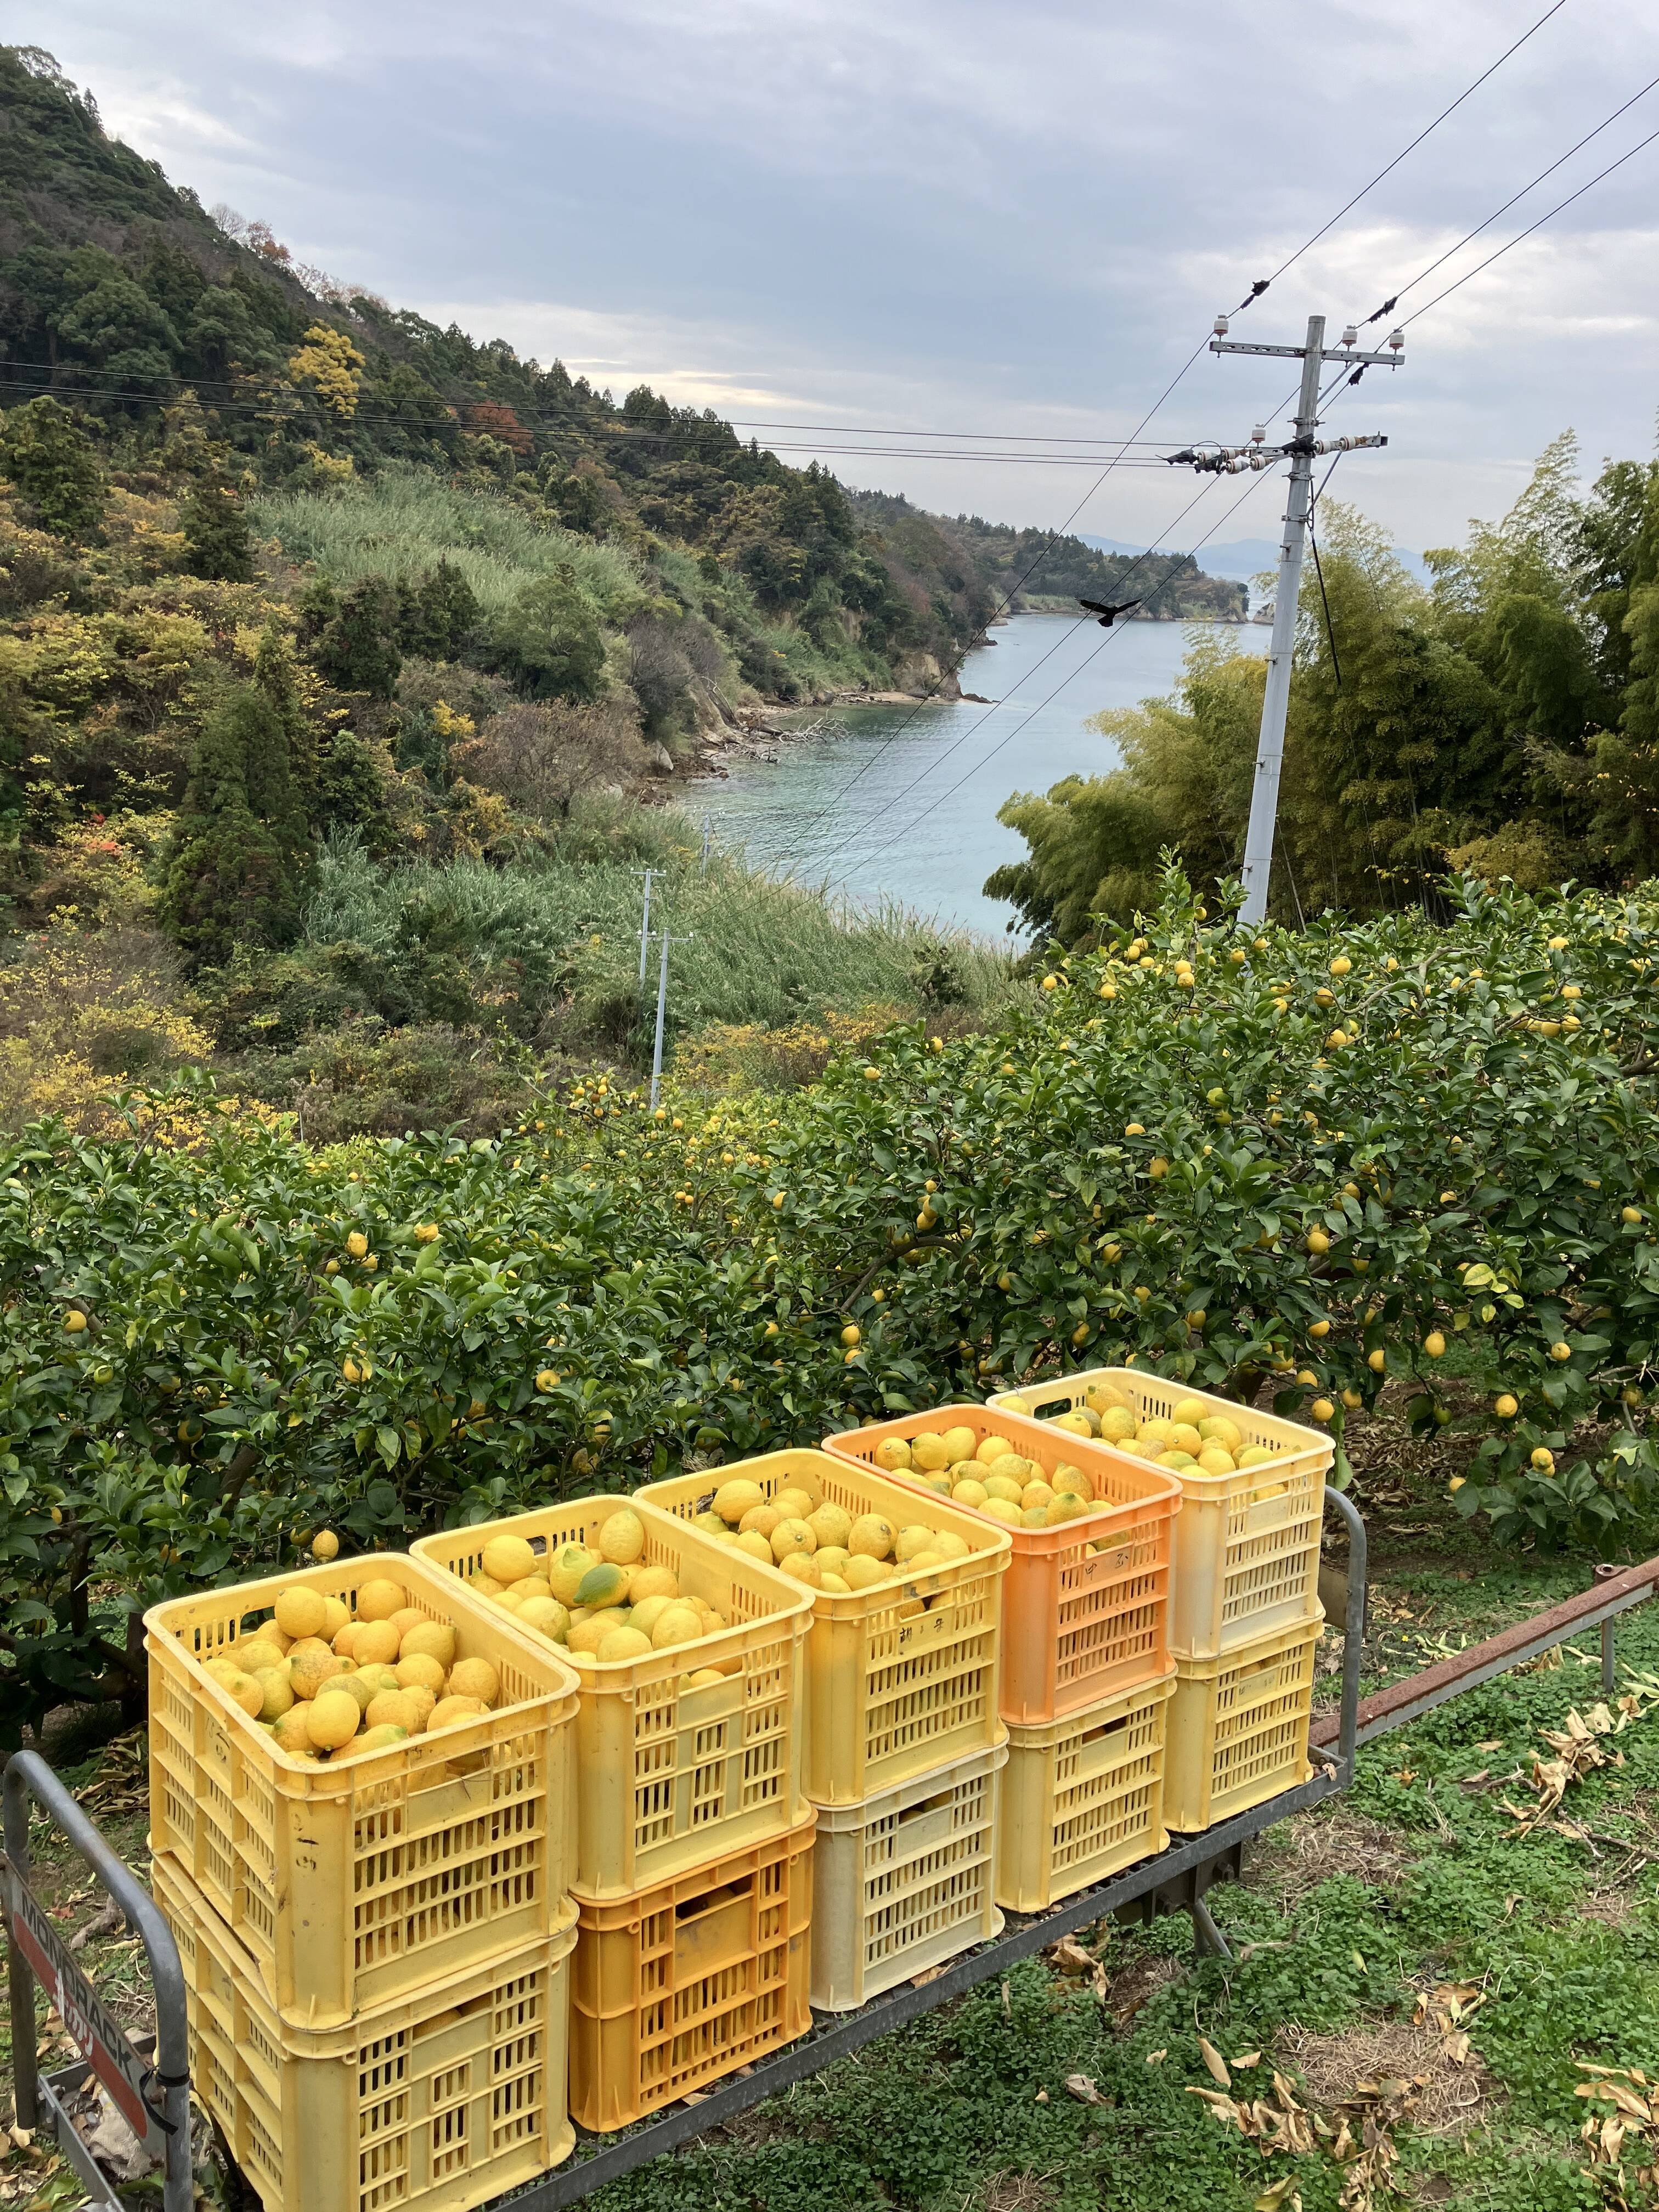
1246, 557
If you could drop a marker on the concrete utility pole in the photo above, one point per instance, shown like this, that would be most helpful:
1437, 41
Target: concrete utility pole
662, 1009
1301, 452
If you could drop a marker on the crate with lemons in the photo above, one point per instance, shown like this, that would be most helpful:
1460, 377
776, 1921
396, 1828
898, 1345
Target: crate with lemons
1244, 1611
904, 1746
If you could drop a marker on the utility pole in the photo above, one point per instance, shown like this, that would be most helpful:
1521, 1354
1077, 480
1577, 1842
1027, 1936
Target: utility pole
702, 865
1301, 451
662, 1008
644, 930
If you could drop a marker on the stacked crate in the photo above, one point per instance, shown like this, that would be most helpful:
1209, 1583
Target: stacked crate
376, 1949
692, 1841
1244, 1614
1087, 1673
904, 1744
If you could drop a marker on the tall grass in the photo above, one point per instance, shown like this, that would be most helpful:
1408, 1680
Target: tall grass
754, 950
401, 522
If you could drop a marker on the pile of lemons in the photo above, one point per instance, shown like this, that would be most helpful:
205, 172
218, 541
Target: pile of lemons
1192, 1438
601, 1603
815, 1542
327, 1682
991, 1476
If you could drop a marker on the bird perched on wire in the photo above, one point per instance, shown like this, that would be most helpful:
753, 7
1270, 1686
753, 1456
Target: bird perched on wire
1109, 615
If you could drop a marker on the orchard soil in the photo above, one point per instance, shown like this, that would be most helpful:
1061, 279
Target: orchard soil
1371, 1937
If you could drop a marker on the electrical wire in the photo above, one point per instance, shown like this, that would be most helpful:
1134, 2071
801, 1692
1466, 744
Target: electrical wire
1349, 205
1007, 600
1549, 214
1606, 122
1030, 714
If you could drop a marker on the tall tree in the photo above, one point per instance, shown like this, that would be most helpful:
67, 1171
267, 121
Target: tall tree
53, 463
234, 864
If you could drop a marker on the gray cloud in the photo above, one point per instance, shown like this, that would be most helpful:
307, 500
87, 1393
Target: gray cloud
945, 213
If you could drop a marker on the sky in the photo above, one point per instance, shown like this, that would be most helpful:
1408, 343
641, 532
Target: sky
950, 215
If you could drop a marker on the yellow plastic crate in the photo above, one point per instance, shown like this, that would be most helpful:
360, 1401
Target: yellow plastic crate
1246, 1545
1238, 1727
1085, 1604
689, 1980
1083, 1797
886, 1697
904, 1880
355, 1880
440, 2100
671, 1776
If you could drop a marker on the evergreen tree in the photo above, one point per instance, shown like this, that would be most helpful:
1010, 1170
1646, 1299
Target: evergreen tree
354, 640
216, 540
234, 864
53, 462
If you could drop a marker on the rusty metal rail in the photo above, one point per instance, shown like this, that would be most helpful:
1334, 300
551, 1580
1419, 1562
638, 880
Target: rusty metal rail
1615, 1591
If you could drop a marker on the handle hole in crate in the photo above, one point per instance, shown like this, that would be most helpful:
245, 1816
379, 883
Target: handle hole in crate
1106, 1728
713, 1900
927, 1807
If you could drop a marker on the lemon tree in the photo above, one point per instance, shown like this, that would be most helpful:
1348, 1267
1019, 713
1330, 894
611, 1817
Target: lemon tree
1314, 1164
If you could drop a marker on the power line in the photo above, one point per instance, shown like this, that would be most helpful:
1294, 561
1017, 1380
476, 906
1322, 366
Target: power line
1606, 123
1550, 213
1088, 661
1349, 205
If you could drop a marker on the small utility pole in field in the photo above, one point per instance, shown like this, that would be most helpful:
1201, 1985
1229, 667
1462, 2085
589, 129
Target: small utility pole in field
1301, 451
662, 1009
645, 929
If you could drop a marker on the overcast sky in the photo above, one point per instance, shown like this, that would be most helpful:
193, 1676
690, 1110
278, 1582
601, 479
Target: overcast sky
944, 215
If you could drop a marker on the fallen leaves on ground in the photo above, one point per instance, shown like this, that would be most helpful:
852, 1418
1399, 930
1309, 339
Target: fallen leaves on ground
1633, 2122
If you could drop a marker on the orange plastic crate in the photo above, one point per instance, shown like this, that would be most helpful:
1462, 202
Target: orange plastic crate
887, 1697
670, 1775
353, 1880
1085, 1604
1246, 1545
689, 1980
443, 2098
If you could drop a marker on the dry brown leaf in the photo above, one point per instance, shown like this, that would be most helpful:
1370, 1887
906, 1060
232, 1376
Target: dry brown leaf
1214, 2064
1082, 2088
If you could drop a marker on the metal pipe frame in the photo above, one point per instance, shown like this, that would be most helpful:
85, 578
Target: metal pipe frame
27, 1775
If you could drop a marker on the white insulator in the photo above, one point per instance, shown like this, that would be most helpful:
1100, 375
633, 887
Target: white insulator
1396, 337
1258, 433
1351, 336
1221, 326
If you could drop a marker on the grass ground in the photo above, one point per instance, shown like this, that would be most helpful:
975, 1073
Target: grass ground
1423, 1970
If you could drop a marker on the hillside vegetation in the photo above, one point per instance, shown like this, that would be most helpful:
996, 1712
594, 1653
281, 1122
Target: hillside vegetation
1504, 718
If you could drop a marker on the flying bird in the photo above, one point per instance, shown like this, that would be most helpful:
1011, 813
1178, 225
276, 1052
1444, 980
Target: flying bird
1109, 615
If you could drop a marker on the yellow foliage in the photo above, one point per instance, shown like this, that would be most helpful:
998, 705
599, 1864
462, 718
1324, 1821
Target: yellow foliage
741, 1056
330, 468
327, 360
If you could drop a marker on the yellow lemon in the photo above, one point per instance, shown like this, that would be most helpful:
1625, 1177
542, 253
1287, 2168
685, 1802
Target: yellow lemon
756, 1546
797, 1502
310, 1664
1183, 1436
950, 1545
333, 1720
567, 1568
455, 1712
1065, 1506
735, 1498
800, 1567
1036, 1493
1215, 1459
959, 1442
301, 1611
373, 1642
791, 1536
1005, 1486
508, 1559
911, 1540
1074, 1479
650, 1610
380, 1739
991, 1448
759, 1519
622, 1643
622, 1538
325, 1545
290, 1734
831, 1558
420, 1670
397, 1708
862, 1570
1117, 1425
893, 1454
929, 1451
259, 1655
676, 1624
870, 1537
475, 1678
969, 1493
379, 1598
436, 1638
1003, 1509
654, 1582
831, 1525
